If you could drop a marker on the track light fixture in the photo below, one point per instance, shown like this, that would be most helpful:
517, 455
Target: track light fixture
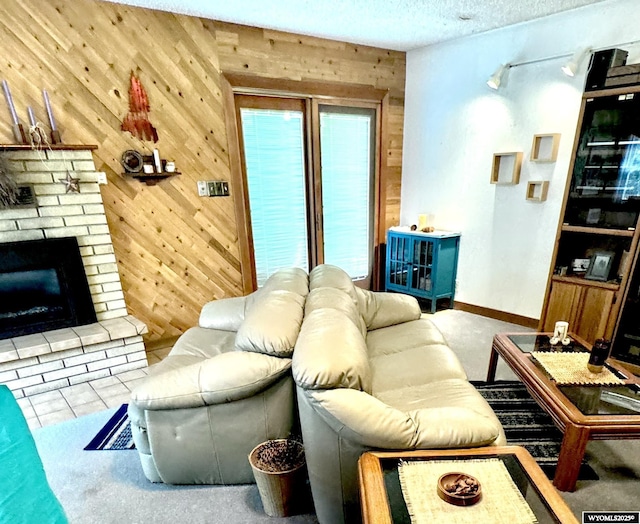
496, 78
572, 66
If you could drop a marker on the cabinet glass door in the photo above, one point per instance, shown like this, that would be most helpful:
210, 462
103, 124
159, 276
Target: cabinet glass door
422, 265
626, 344
605, 187
399, 254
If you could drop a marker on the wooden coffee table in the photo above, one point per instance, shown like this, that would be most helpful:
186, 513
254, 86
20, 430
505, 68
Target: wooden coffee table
381, 496
582, 413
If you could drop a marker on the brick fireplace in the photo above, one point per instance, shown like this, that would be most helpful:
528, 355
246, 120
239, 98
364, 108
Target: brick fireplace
40, 362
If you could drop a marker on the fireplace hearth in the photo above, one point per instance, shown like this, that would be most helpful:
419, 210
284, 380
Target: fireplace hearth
43, 287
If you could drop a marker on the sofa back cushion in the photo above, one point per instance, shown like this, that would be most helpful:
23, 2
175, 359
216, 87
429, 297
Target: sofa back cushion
273, 314
326, 275
331, 352
337, 299
272, 324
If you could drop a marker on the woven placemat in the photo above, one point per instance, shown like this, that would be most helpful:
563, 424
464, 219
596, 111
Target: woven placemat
571, 369
501, 502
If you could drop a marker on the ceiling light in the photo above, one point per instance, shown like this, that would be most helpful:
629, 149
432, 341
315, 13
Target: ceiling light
496, 78
572, 66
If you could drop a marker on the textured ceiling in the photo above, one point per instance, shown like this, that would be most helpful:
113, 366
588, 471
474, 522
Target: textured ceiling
391, 24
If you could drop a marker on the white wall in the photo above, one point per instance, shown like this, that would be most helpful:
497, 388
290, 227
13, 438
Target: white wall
454, 123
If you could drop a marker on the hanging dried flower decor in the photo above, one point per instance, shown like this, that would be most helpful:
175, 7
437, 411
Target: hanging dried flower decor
137, 121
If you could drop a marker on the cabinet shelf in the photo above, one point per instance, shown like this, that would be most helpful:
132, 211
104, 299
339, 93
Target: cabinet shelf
599, 231
581, 281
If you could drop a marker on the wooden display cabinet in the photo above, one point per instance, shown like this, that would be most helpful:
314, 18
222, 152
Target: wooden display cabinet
600, 213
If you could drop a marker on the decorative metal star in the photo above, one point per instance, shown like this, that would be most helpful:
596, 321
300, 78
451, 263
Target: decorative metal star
72, 184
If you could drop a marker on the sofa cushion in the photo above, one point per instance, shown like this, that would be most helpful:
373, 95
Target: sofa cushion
272, 324
326, 275
292, 279
414, 366
412, 334
331, 353
336, 299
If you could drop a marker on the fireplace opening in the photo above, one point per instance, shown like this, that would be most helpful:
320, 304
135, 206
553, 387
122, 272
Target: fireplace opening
43, 287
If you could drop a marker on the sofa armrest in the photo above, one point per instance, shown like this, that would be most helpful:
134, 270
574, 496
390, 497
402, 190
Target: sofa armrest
382, 309
225, 378
367, 421
225, 314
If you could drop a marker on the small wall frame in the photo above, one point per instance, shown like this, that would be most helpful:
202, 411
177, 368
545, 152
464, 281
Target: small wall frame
537, 190
506, 168
545, 147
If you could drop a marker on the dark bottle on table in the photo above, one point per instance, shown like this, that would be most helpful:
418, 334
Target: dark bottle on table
599, 353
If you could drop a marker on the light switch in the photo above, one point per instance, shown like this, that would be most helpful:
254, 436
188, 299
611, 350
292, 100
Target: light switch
202, 188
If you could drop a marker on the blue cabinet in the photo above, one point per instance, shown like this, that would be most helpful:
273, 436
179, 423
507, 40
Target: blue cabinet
422, 264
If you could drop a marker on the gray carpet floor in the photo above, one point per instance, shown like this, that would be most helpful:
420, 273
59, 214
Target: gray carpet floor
109, 486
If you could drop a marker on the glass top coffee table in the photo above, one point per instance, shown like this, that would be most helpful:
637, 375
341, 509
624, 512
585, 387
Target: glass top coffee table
581, 412
382, 498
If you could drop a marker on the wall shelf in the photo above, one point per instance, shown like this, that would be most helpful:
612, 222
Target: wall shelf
151, 179
537, 190
506, 168
545, 147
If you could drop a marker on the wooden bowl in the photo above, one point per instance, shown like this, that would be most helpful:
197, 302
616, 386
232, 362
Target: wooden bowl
445, 483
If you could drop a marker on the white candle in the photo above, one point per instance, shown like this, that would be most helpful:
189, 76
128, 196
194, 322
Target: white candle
32, 117
12, 109
47, 105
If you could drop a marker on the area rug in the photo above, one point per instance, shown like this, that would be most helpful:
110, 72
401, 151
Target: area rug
116, 433
526, 424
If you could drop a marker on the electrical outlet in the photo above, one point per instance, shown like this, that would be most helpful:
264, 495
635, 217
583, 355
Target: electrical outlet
102, 178
202, 188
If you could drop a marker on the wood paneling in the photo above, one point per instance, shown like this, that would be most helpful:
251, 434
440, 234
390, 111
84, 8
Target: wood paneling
175, 250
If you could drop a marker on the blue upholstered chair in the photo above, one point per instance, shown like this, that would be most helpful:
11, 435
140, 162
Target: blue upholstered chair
25, 494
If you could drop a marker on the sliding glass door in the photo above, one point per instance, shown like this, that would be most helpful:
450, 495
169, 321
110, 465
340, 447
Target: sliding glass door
347, 169
310, 170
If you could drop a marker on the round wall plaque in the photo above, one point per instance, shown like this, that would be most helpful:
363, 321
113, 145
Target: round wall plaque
132, 161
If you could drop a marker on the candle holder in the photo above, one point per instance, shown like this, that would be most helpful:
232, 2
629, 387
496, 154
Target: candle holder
599, 353
55, 137
19, 134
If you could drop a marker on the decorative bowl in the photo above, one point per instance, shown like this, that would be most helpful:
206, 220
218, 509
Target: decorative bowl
459, 489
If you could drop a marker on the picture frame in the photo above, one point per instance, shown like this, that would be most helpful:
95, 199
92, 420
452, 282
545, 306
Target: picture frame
600, 266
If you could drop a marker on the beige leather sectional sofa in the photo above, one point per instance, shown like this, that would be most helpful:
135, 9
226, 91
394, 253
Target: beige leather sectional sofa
370, 373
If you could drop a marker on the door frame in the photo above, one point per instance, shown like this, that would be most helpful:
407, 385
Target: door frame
325, 93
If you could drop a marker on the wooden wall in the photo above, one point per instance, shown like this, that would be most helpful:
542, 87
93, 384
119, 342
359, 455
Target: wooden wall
175, 250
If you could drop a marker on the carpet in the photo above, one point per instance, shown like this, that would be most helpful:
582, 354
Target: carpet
526, 424
115, 434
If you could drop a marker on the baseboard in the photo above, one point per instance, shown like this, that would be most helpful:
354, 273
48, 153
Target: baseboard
497, 315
